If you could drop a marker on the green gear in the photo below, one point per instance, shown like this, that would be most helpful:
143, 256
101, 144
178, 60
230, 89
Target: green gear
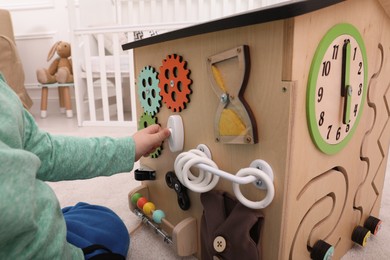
145, 121
148, 90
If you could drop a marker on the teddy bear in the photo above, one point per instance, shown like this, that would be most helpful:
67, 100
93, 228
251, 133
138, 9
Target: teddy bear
60, 70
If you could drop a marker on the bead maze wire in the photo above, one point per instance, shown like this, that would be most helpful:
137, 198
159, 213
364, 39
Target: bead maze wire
167, 239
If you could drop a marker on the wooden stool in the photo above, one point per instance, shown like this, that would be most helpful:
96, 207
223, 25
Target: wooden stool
64, 98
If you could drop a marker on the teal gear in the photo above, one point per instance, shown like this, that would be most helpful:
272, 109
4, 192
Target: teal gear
148, 90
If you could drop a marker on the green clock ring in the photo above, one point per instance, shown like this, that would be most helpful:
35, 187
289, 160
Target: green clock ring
336, 88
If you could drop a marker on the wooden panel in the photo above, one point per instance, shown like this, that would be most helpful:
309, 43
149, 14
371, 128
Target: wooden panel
386, 6
363, 178
264, 90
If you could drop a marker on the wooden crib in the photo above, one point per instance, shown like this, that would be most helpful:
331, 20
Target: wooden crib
103, 72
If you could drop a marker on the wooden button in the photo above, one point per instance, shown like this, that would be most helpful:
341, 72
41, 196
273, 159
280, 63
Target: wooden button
219, 244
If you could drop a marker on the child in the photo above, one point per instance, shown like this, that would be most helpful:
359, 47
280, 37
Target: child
32, 225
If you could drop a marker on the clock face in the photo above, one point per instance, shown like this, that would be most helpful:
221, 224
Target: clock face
336, 88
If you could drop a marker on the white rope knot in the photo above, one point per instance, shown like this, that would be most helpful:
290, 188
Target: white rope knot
209, 175
205, 181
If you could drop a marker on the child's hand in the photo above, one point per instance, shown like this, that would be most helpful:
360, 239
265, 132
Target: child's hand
148, 139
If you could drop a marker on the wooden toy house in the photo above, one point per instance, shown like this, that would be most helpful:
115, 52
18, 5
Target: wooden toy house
293, 101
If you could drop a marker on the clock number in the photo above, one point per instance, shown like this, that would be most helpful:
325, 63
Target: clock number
329, 129
355, 110
321, 121
347, 128
335, 52
338, 134
354, 53
325, 68
360, 89
360, 68
320, 94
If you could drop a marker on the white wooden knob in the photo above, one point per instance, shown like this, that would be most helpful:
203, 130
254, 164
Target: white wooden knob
176, 139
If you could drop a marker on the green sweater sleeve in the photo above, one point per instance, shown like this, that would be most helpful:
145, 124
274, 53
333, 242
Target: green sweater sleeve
70, 158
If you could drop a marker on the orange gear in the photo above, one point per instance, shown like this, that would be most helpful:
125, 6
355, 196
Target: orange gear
174, 82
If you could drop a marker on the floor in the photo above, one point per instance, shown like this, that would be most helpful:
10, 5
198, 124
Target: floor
57, 123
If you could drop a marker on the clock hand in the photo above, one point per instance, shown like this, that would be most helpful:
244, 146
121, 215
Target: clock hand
346, 88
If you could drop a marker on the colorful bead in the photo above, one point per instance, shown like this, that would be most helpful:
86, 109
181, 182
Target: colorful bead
135, 198
148, 208
158, 215
141, 202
